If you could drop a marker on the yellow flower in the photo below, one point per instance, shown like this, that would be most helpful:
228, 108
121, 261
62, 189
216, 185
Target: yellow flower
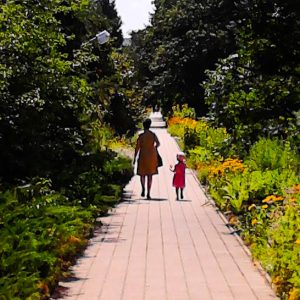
272, 198
254, 221
228, 166
251, 206
296, 189
265, 206
267, 199
297, 242
278, 198
294, 294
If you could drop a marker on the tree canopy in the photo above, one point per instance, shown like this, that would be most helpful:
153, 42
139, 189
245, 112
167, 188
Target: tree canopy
50, 91
251, 49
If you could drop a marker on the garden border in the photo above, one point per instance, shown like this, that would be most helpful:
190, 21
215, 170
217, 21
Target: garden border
257, 264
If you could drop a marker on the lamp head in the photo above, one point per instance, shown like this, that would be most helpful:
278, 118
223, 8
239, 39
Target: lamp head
103, 37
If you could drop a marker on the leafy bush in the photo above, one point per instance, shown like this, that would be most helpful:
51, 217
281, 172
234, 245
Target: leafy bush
177, 126
199, 155
39, 239
267, 154
43, 230
260, 195
183, 111
235, 190
271, 230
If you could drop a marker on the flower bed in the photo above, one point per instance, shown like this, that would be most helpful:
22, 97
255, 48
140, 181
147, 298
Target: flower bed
260, 194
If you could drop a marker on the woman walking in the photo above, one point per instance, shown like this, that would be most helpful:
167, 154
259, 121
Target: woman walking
147, 162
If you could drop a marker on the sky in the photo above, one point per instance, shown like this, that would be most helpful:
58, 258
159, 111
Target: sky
134, 14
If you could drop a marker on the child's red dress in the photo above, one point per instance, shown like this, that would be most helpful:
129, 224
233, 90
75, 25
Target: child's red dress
179, 176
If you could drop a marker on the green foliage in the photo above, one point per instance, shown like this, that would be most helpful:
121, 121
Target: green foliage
250, 187
272, 231
185, 38
261, 196
215, 140
203, 173
50, 83
199, 155
267, 154
42, 230
177, 130
284, 264
38, 240
53, 139
250, 105
124, 110
255, 91
183, 111
206, 143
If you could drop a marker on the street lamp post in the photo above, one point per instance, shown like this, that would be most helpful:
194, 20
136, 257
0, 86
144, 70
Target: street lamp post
101, 37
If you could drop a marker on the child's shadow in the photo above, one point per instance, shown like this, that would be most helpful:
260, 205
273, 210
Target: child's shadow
184, 200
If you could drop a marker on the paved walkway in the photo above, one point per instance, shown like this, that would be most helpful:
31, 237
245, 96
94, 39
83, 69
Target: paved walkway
163, 249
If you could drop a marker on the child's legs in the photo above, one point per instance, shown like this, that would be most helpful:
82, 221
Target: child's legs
181, 192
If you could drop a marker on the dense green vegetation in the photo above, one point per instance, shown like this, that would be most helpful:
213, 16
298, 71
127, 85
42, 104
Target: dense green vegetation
236, 62
260, 195
63, 101
58, 120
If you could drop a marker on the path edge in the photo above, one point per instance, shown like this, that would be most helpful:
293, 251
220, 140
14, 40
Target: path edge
256, 262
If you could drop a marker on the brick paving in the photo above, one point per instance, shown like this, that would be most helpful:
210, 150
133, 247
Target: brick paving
163, 249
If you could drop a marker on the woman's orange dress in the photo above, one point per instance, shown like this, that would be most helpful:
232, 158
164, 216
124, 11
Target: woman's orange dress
147, 162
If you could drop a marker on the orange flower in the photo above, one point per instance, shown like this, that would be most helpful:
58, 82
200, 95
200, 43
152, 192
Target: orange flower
294, 294
185, 122
296, 189
43, 287
230, 165
74, 240
254, 221
272, 198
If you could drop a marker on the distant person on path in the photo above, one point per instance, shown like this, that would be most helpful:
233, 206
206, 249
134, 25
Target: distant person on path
147, 162
179, 175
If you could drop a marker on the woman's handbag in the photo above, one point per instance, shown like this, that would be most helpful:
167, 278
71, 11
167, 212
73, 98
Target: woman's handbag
159, 159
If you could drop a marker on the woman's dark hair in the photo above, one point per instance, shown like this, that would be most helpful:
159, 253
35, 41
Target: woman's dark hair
147, 124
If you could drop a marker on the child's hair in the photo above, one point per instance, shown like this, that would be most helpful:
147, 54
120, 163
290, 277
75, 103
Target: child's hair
180, 156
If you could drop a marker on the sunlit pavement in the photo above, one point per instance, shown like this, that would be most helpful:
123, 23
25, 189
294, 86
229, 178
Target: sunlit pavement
163, 249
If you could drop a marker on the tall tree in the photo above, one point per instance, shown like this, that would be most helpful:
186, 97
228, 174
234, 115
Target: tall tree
256, 92
185, 39
48, 81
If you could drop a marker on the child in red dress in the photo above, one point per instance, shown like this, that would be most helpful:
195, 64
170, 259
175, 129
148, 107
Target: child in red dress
179, 174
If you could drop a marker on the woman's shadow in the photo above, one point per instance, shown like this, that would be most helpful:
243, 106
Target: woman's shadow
154, 199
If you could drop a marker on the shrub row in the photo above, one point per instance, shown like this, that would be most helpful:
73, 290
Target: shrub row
43, 229
259, 193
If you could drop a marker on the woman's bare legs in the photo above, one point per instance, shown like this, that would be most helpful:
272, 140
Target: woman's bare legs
143, 185
149, 184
